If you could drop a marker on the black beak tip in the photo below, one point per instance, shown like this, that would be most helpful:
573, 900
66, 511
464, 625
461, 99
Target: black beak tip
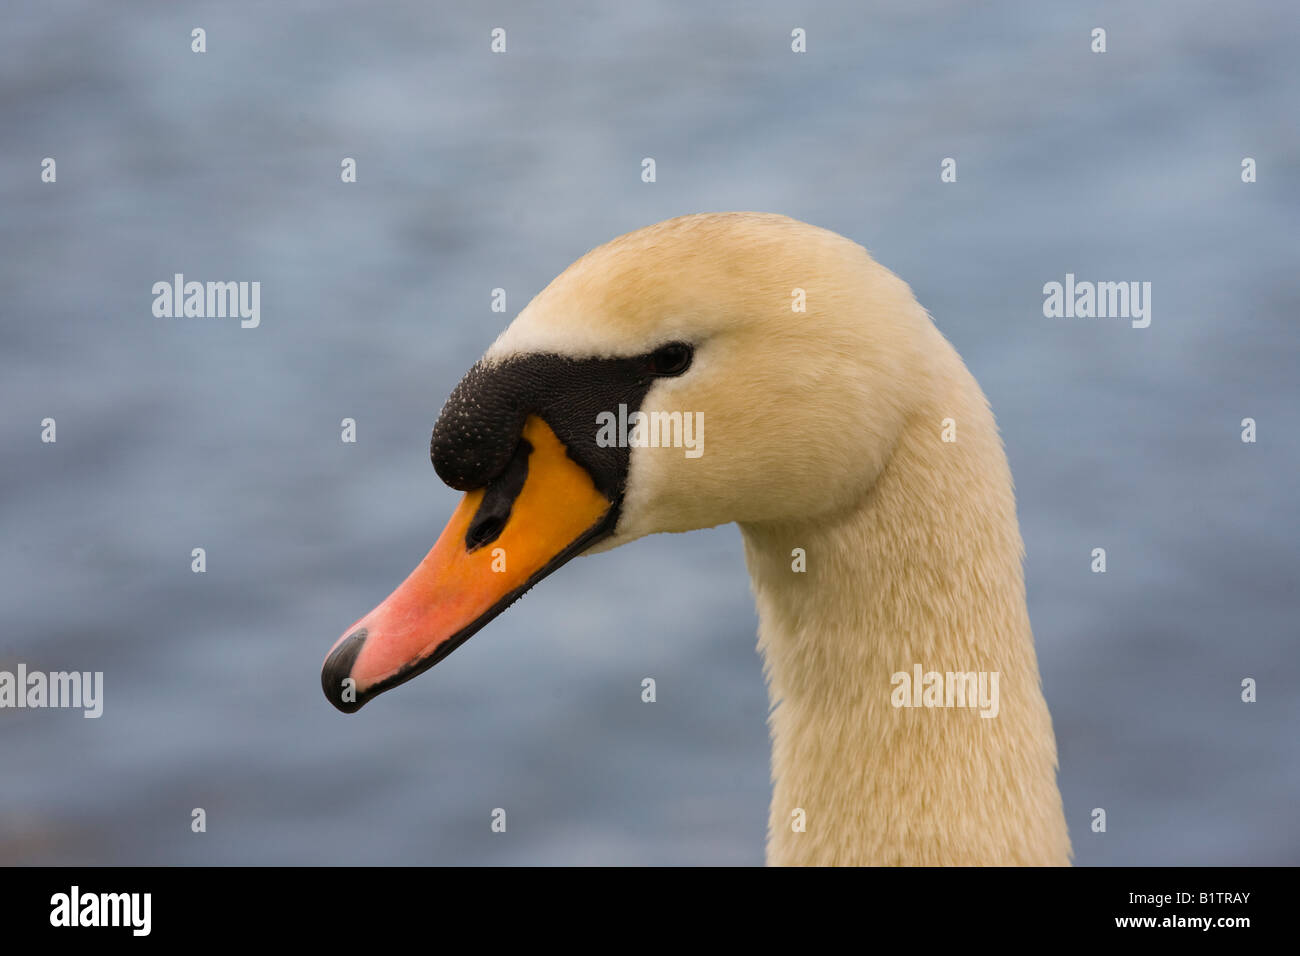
335, 676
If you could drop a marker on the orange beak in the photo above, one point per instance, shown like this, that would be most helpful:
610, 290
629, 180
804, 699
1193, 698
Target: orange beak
461, 584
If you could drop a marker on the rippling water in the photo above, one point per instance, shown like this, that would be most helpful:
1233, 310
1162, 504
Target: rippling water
479, 171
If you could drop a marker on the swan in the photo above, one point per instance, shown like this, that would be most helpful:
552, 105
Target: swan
861, 461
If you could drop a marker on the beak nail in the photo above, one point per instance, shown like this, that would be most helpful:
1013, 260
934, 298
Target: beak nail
335, 675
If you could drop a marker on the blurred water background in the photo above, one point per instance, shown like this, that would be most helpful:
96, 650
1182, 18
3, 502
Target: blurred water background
479, 171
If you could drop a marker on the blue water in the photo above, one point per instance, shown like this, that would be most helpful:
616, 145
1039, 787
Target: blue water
479, 171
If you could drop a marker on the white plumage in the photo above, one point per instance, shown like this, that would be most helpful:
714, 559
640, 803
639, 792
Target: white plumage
825, 432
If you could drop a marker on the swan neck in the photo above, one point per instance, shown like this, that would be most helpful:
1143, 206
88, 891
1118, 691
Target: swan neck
920, 576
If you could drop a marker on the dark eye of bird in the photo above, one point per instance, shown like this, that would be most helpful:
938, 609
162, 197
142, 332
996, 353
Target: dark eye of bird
671, 359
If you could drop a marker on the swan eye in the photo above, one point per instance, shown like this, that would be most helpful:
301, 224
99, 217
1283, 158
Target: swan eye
671, 359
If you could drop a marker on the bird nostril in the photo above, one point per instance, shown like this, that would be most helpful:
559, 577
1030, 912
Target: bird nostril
484, 530
499, 499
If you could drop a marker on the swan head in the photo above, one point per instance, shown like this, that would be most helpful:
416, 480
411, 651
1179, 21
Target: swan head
714, 368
